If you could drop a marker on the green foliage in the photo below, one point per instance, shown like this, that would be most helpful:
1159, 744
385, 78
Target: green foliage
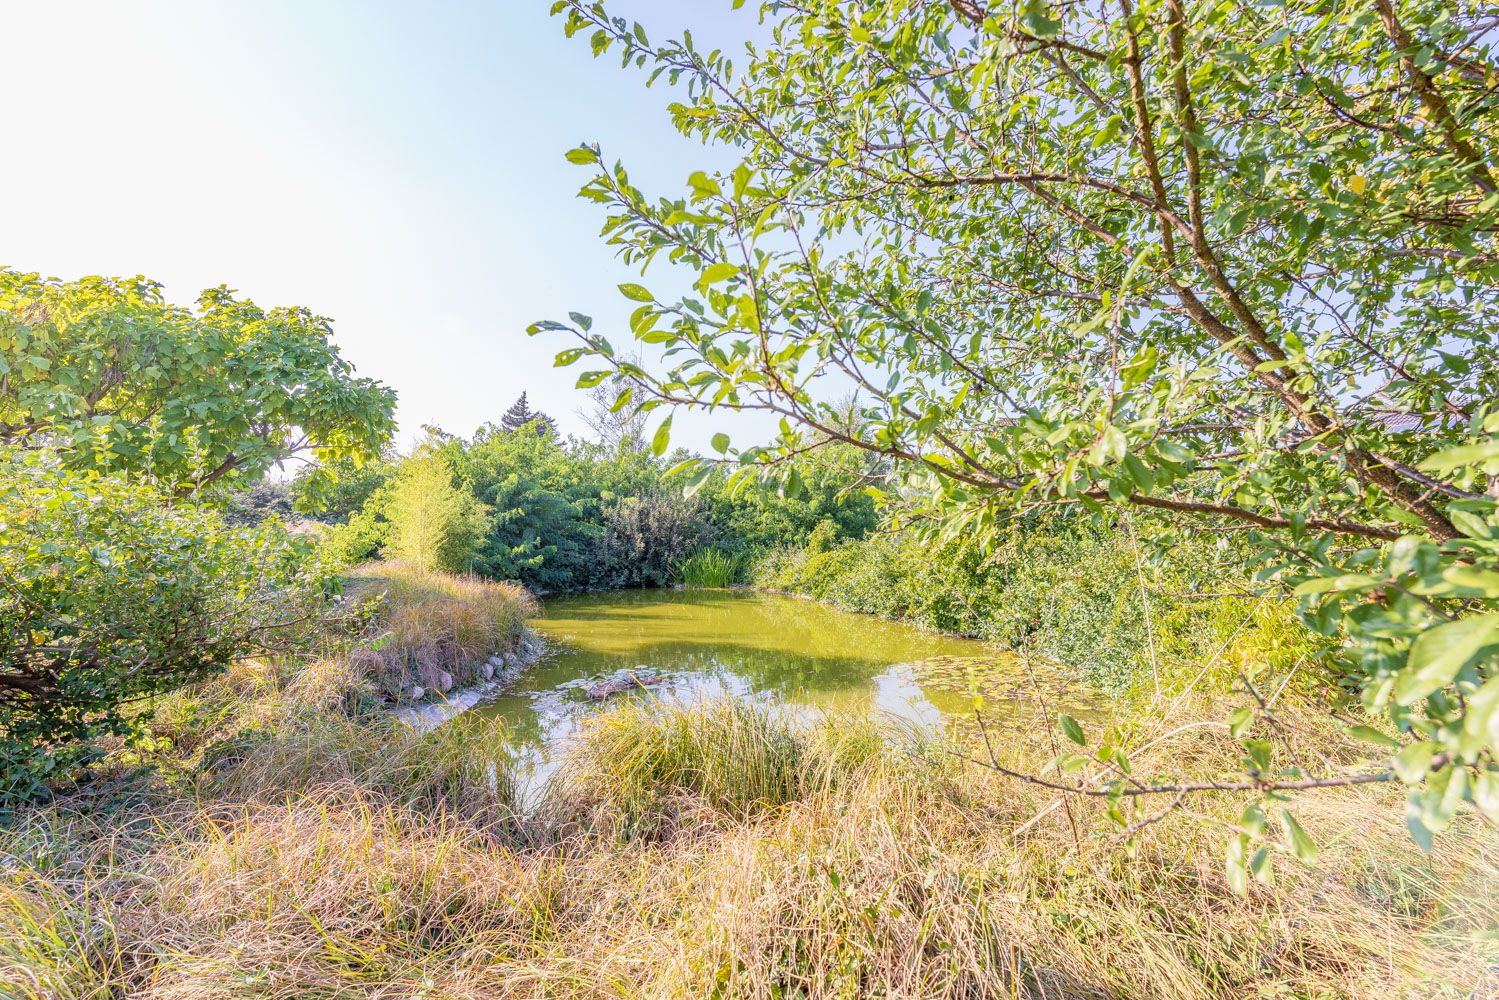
264, 499
544, 499
114, 379
1059, 588
361, 537
752, 516
1421, 624
435, 524
1186, 257
336, 490
646, 537
108, 594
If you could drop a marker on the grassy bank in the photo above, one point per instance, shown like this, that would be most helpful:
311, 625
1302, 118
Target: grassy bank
287, 847
1080, 595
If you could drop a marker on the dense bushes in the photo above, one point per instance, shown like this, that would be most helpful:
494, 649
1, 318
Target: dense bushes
646, 538
111, 594
1064, 589
559, 515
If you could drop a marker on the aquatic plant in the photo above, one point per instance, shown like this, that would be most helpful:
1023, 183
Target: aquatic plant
710, 567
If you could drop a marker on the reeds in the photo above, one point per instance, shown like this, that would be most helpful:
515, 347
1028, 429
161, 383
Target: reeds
710, 567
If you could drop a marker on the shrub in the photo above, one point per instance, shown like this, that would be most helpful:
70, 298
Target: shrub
264, 499
646, 537
336, 491
755, 517
1062, 589
109, 594
361, 538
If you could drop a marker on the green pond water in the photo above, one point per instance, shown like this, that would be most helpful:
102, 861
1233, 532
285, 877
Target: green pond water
699, 643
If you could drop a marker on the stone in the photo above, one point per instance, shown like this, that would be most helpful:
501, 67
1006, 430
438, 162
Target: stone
497, 662
488, 671
444, 681
416, 692
624, 680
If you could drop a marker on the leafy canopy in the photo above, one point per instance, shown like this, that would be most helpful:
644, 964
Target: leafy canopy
111, 376
1230, 261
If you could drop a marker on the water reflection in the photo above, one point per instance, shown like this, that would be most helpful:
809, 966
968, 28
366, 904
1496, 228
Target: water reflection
749, 645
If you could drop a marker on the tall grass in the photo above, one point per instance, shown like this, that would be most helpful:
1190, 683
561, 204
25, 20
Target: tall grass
821, 859
710, 567
435, 623
740, 757
721, 849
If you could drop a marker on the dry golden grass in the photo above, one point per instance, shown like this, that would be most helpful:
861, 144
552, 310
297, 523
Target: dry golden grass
324, 868
436, 623
721, 850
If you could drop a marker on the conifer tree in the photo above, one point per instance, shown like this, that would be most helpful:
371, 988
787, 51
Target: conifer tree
521, 415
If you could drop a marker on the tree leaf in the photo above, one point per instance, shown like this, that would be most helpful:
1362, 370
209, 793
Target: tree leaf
1371, 735
1414, 762
1439, 653
1239, 722
719, 272
1073, 729
1297, 840
662, 437
1234, 864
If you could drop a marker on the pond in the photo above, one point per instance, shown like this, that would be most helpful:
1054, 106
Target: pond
683, 644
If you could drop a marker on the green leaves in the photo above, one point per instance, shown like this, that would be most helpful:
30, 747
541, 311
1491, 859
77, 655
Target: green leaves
1235, 866
1369, 734
1240, 721
1440, 652
719, 272
703, 186
1073, 730
118, 380
1036, 21
636, 293
1296, 839
1484, 457
661, 438
115, 592
1412, 763
1019, 347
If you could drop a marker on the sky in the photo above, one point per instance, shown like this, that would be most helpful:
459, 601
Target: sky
395, 166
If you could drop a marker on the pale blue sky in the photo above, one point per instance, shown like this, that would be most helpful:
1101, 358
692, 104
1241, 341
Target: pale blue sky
395, 166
